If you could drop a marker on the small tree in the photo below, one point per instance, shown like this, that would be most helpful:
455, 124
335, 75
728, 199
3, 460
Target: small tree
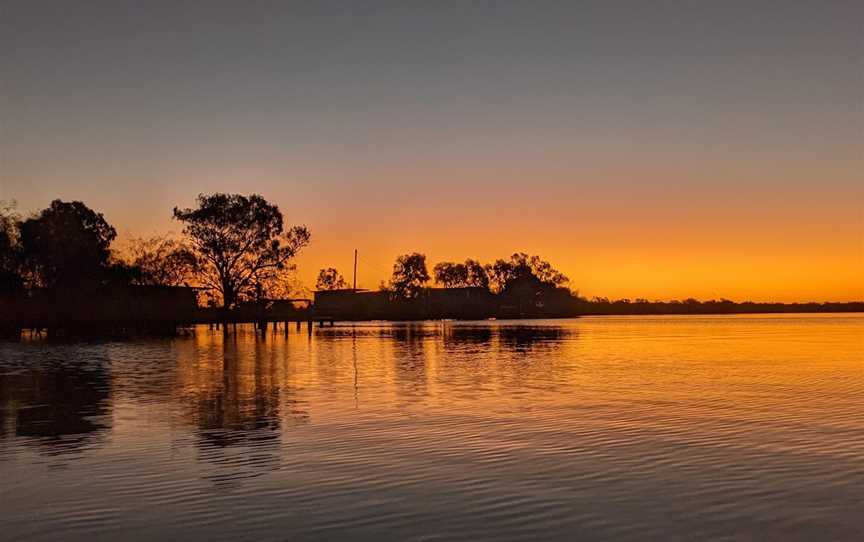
162, 261
330, 279
240, 243
409, 276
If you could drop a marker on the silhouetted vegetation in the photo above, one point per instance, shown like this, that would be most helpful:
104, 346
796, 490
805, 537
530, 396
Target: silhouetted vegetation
11, 279
522, 286
409, 276
461, 275
58, 270
504, 274
162, 261
241, 244
605, 306
330, 279
531, 285
67, 246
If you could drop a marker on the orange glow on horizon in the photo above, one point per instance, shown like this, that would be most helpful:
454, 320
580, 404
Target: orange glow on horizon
654, 239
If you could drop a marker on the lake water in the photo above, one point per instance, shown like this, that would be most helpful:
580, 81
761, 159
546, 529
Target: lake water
625, 428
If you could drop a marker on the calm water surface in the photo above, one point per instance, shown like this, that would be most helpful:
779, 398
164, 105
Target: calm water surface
623, 428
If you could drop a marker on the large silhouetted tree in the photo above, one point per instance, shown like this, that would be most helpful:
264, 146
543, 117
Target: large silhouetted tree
330, 279
68, 245
409, 276
240, 242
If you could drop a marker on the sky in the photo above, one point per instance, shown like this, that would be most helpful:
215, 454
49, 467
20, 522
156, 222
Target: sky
647, 149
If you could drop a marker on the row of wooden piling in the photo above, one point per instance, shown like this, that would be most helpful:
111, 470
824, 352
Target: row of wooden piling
263, 325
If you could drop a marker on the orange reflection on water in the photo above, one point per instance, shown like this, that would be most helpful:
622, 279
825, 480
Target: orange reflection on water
609, 421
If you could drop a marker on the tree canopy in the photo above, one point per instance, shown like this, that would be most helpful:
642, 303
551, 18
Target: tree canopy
409, 276
240, 242
163, 261
449, 274
10, 252
330, 279
67, 244
522, 267
461, 275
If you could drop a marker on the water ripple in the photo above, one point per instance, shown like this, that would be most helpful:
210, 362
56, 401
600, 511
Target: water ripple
674, 428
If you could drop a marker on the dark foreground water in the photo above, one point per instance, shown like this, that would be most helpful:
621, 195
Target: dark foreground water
625, 428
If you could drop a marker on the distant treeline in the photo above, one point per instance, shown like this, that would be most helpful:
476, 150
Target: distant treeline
603, 306
236, 251
522, 286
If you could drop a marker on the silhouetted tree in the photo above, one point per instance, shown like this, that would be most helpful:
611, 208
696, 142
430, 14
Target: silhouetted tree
476, 274
540, 268
521, 267
531, 284
409, 276
499, 273
450, 275
10, 250
330, 279
68, 245
240, 243
163, 261
461, 275
282, 285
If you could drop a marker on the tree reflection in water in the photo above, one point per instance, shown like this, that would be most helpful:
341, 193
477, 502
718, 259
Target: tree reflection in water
235, 401
59, 406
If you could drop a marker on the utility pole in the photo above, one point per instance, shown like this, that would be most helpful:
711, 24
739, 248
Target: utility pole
355, 269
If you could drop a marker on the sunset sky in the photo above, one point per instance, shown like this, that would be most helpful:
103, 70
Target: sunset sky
648, 149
